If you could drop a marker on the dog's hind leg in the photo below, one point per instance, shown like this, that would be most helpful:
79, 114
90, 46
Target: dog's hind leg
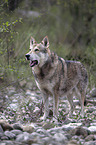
82, 104
81, 97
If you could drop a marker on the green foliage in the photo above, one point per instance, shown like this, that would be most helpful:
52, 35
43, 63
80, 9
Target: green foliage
7, 50
7, 26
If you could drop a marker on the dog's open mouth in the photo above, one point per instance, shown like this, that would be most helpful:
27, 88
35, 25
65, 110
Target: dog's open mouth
33, 63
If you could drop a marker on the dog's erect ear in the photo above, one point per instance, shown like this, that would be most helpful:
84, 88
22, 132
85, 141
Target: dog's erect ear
45, 42
32, 42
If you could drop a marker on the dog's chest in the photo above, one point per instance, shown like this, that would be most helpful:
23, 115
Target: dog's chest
45, 81
45, 86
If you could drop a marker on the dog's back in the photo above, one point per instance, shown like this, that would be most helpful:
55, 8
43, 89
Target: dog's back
76, 75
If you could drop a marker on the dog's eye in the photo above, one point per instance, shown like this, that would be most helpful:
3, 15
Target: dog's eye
36, 50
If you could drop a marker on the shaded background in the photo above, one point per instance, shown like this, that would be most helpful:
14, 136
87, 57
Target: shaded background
69, 24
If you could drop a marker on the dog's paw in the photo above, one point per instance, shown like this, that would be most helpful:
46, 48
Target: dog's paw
54, 119
43, 118
82, 114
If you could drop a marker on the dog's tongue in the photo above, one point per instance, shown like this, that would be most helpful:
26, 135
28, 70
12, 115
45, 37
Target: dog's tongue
33, 63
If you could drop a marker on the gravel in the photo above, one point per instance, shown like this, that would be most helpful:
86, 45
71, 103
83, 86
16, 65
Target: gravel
20, 122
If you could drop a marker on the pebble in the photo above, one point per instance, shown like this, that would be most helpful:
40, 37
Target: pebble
28, 128
10, 135
93, 92
90, 137
16, 132
92, 129
90, 143
1, 129
5, 126
59, 137
22, 137
79, 131
17, 126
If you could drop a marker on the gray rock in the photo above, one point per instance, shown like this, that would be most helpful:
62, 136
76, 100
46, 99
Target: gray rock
28, 128
13, 106
1, 134
10, 135
26, 138
64, 128
90, 143
60, 137
50, 141
93, 92
42, 131
72, 142
70, 126
90, 137
4, 137
93, 123
81, 141
68, 136
75, 137
91, 102
53, 130
79, 131
1, 129
2, 143
48, 125
9, 142
35, 144
17, 126
35, 134
46, 139
91, 109
5, 126
23, 137
16, 132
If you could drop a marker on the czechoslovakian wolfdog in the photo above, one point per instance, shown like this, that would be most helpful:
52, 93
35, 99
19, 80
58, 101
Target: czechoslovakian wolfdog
56, 77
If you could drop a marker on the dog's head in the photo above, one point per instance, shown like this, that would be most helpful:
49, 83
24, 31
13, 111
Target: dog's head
39, 53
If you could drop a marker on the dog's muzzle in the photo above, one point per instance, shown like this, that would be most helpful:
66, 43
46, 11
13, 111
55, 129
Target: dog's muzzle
27, 56
32, 62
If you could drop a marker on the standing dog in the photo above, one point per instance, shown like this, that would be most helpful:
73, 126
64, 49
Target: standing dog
56, 77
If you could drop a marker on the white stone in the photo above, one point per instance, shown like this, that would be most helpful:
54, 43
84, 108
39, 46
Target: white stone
92, 129
13, 106
23, 137
59, 137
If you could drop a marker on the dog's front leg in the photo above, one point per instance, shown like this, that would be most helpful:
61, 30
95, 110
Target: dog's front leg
46, 107
55, 106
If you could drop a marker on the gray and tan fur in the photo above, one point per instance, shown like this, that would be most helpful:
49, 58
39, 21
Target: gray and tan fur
56, 77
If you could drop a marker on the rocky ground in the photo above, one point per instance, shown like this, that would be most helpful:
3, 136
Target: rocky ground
20, 124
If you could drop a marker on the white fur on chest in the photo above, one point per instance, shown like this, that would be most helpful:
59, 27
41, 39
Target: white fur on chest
45, 85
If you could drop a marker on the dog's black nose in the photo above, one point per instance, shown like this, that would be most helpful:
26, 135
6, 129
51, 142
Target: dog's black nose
27, 56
